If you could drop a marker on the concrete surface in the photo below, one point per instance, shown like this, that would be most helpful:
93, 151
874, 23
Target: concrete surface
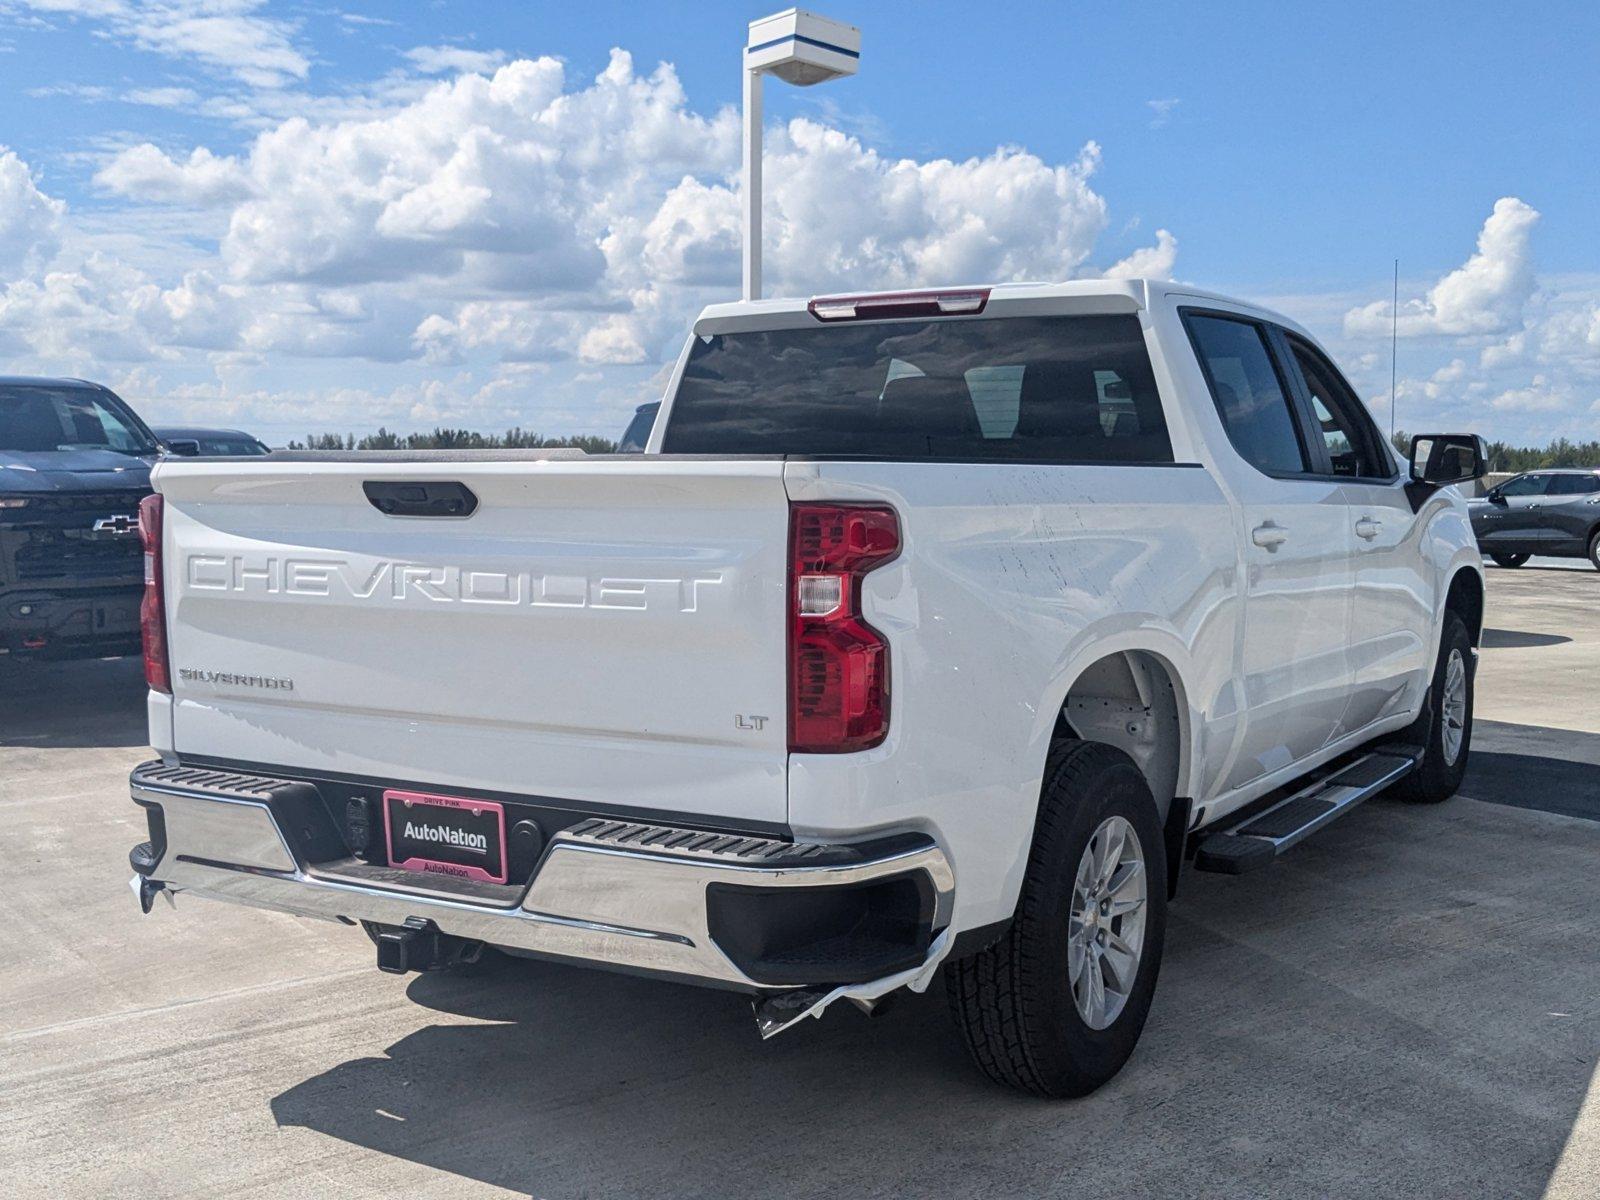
1408, 1006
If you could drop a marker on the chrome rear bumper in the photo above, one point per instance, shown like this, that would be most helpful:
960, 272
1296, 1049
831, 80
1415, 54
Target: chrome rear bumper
604, 892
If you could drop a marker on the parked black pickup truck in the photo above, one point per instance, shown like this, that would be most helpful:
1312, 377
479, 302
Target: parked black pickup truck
74, 464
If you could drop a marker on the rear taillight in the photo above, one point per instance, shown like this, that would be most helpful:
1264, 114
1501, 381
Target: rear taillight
153, 608
838, 664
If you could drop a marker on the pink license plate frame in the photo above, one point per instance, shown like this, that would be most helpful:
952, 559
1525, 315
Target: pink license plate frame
434, 866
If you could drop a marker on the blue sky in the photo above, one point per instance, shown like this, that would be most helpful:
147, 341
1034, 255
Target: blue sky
301, 216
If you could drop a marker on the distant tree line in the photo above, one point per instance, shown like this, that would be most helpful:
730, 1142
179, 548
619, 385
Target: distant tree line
515, 438
1563, 452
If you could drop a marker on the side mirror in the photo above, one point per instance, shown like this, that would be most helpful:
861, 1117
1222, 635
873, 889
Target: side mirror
1495, 497
1443, 458
183, 447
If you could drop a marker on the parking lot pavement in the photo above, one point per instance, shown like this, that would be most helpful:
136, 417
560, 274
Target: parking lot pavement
1408, 1005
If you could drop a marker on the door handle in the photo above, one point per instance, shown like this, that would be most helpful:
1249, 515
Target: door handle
1269, 536
1368, 528
1533, 506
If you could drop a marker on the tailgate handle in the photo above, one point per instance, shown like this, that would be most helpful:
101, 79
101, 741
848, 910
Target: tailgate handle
404, 498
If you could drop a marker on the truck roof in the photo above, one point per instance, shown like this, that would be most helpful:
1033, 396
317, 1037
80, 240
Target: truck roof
200, 431
46, 381
1135, 293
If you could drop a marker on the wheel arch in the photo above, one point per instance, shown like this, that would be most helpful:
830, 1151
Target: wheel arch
1130, 694
1465, 598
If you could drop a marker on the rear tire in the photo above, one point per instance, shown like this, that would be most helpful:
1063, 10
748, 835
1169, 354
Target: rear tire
1510, 560
1594, 550
1055, 1007
1444, 727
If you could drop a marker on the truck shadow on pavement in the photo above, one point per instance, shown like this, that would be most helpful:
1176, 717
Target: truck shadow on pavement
1534, 766
1327, 1027
96, 703
610, 1085
1521, 639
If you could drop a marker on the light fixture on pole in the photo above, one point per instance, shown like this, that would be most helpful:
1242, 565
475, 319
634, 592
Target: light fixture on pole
799, 48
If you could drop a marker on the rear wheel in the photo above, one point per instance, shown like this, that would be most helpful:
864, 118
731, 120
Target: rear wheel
1056, 1006
1594, 550
1510, 560
1444, 728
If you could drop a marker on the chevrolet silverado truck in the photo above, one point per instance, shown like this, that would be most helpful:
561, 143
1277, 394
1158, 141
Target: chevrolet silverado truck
74, 465
930, 630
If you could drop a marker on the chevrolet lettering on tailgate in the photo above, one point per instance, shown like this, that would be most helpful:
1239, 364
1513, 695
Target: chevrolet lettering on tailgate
400, 581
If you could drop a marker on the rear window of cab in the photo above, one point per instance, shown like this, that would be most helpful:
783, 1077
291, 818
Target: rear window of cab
1074, 389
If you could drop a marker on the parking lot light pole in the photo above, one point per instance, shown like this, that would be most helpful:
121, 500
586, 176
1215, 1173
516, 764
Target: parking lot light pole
799, 48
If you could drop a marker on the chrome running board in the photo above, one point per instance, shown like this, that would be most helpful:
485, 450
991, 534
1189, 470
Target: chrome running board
1259, 838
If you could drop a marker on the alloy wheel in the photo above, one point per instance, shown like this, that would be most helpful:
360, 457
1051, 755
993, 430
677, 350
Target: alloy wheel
1105, 935
1453, 710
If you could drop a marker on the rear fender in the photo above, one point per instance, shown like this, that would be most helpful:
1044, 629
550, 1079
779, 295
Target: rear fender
1096, 644
1449, 547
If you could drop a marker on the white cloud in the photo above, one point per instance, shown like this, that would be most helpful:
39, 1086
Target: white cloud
78, 91
693, 238
1148, 262
615, 197
1573, 332
505, 223
29, 220
145, 173
838, 215
1485, 295
89, 314
453, 60
616, 339
163, 97
94, 93
1161, 111
503, 183
226, 36
1502, 351
845, 217
1541, 395
1509, 350
1449, 380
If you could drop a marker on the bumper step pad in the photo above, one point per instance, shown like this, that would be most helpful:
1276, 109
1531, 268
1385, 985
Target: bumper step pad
768, 853
1259, 838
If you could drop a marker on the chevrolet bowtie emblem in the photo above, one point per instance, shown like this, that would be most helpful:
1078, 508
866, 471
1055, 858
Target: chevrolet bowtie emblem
121, 524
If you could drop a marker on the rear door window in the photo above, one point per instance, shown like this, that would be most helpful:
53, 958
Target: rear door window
1249, 393
1573, 485
1050, 389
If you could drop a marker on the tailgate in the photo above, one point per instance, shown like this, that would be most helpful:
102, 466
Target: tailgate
607, 632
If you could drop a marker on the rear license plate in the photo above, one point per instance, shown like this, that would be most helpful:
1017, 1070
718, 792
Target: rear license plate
446, 835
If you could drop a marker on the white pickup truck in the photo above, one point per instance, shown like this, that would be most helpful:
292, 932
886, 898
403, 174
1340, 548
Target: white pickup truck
931, 629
